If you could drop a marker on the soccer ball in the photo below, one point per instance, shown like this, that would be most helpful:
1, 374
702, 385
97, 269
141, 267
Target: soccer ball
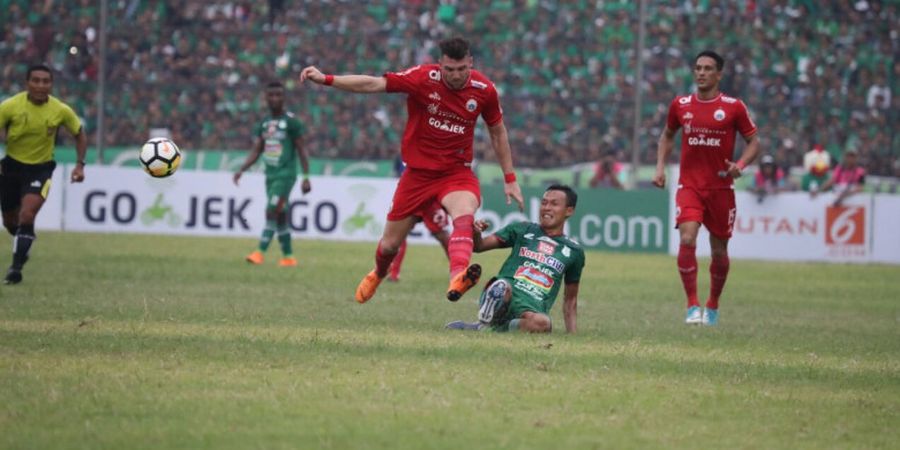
160, 157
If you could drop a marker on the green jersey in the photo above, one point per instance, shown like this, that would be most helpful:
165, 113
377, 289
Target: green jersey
539, 263
279, 153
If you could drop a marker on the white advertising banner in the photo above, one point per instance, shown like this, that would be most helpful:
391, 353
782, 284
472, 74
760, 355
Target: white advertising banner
797, 227
119, 199
886, 229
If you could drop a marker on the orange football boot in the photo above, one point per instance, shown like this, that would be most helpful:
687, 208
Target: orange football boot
288, 261
255, 258
463, 281
367, 287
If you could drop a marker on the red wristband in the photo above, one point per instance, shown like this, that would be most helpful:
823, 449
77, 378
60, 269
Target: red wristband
740, 165
329, 80
509, 177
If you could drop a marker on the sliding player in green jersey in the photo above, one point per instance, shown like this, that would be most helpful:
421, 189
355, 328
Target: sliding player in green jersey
278, 140
30, 120
542, 258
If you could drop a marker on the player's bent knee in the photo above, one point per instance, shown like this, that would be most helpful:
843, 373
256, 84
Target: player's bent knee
536, 323
389, 246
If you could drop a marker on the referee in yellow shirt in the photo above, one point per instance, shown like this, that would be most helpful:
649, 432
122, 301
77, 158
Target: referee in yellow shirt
30, 121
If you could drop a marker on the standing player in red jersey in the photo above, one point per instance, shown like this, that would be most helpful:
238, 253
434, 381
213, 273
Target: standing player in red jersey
443, 102
709, 120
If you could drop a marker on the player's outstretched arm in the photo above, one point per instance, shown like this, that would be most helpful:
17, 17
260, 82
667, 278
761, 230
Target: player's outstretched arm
251, 158
500, 143
570, 307
365, 84
663, 149
483, 244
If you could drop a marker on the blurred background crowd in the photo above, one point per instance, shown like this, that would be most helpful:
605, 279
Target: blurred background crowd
813, 72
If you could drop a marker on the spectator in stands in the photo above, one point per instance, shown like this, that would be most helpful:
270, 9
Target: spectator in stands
816, 164
607, 172
847, 178
769, 179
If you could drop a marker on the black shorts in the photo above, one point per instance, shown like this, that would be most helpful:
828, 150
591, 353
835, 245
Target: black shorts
18, 179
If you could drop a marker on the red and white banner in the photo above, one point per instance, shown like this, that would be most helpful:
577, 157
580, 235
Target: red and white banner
797, 227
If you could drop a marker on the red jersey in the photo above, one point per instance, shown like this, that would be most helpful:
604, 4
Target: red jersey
708, 137
440, 128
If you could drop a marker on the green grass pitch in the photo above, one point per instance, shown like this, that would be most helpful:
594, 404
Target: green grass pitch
125, 341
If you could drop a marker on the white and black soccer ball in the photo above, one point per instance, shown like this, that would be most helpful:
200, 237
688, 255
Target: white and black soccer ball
160, 157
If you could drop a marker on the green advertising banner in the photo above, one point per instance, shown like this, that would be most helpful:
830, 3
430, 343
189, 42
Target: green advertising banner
605, 219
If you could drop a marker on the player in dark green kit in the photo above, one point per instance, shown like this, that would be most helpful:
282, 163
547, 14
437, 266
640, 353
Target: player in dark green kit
542, 258
278, 140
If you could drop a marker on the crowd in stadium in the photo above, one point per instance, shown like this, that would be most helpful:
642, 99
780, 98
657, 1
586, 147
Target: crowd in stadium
812, 72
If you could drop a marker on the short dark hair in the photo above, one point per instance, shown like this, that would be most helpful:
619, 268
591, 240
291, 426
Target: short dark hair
274, 85
571, 196
38, 68
720, 61
455, 48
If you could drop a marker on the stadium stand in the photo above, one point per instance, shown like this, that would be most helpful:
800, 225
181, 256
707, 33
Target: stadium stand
812, 72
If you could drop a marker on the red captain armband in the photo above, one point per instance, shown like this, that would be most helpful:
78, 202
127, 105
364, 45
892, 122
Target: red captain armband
509, 177
329, 80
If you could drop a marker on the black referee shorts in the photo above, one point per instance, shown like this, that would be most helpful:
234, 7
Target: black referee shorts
18, 179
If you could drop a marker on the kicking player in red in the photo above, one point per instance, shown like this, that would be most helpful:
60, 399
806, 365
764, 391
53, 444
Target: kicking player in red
705, 195
443, 103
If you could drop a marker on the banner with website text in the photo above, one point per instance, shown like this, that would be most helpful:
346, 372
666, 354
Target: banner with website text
121, 199
604, 219
789, 226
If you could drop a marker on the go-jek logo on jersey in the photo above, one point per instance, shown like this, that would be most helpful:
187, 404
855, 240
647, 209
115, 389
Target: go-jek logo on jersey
705, 141
543, 259
446, 126
845, 225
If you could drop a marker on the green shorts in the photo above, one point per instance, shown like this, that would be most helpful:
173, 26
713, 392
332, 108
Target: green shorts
278, 190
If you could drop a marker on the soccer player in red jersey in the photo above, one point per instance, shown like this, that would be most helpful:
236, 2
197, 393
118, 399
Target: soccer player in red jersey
705, 195
443, 102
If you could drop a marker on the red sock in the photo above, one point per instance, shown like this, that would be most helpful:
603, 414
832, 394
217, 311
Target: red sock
687, 268
718, 274
398, 261
382, 261
460, 247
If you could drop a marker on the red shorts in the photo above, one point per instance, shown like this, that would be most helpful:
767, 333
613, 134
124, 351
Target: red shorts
714, 208
434, 217
418, 189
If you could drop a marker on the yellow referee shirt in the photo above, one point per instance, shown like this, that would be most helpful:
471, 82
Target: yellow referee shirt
31, 129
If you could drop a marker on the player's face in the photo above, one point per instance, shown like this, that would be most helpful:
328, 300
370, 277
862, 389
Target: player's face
706, 74
38, 86
455, 72
275, 98
554, 211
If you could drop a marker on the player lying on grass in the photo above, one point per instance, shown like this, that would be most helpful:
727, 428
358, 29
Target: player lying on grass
542, 258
